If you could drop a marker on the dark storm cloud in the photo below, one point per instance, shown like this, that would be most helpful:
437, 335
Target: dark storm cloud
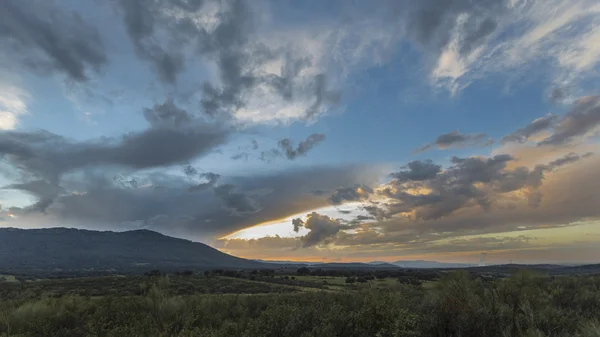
48, 38
523, 134
581, 119
457, 139
303, 147
321, 229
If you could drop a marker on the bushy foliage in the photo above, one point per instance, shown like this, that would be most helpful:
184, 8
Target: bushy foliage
459, 304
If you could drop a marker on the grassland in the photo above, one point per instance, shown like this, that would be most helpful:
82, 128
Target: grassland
263, 303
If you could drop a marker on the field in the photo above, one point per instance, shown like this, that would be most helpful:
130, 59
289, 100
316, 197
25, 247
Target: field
282, 303
7, 278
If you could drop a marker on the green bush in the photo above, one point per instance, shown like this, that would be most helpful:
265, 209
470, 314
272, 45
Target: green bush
458, 305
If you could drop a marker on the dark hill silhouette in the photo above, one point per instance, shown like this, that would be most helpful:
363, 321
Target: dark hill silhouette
65, 249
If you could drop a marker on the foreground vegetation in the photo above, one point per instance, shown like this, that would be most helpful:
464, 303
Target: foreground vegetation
458, 304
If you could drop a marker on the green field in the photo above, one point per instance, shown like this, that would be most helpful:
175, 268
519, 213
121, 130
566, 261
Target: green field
135, 286
8, 278
336, 282
322, 279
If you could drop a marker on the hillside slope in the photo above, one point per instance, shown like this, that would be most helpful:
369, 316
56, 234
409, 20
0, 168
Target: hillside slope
64, 249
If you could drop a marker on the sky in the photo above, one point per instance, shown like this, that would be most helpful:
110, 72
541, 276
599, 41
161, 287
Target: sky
308, 130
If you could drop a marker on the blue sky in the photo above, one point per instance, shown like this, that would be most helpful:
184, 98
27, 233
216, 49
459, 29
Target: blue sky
209, 119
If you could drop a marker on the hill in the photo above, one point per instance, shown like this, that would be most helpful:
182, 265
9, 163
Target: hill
355, 265
429, 264
67, 251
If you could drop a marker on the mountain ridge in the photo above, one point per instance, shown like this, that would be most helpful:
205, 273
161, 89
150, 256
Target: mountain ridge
71, 249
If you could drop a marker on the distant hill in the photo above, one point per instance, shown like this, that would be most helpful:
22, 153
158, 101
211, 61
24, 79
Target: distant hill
552, 269
356, 265
429, 264
291, 263
58, 250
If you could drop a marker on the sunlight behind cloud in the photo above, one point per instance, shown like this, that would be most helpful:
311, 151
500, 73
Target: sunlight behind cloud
284, 228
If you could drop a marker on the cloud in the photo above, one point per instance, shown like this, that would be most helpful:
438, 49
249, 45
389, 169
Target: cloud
190, 171
303, 147
237, 203
226, 34
13, 104
355, 193
584, 117
321, 229
434, 194
454, 32
484, 198
286, 149
163, 202
524, 134
145, 19
466, 41
44, 192
569, 158
42, 156
558, 95
167, 114
47, 38
457, 139
48, 155
268, 243
323, 96
433, 23
417, 171
210, 181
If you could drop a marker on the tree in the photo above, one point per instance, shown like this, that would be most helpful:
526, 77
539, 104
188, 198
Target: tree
382, 275
303, 271
154, 272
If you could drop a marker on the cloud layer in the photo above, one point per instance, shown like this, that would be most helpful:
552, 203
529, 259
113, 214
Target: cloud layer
183, 81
